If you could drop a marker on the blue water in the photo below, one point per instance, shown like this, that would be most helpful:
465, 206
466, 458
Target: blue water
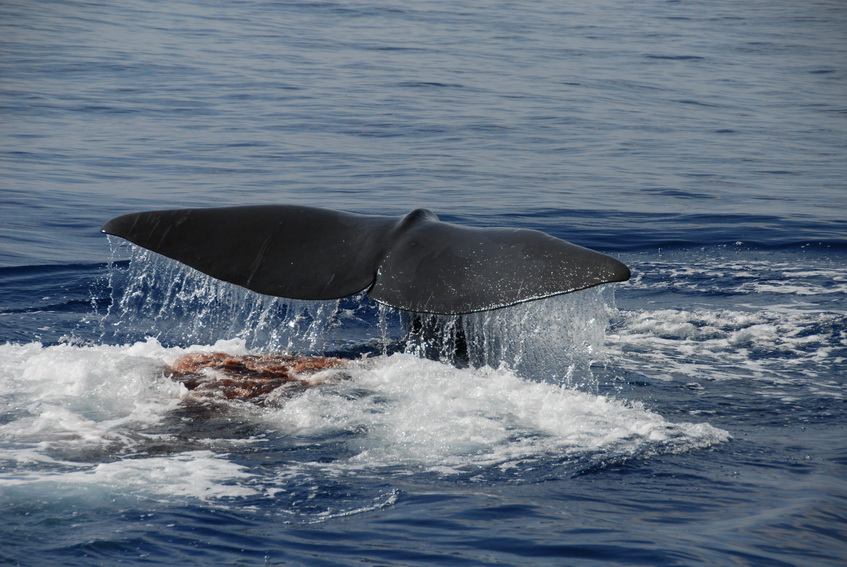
693, 416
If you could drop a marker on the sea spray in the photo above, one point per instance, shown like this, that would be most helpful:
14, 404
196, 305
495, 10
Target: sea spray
556, 339
153, 296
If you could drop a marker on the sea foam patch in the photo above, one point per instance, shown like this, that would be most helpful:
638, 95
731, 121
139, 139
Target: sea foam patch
780, 346
85, 402
421, 413
201, 475
114, 419
91, 416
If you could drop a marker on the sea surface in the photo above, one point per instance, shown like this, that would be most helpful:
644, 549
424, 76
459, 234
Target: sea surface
695, 415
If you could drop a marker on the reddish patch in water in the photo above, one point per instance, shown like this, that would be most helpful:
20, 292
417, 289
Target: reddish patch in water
248, 376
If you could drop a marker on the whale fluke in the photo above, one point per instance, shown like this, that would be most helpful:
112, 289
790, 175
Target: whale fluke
415, 263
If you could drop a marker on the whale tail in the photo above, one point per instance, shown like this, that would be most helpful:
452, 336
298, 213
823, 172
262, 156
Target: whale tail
415, 263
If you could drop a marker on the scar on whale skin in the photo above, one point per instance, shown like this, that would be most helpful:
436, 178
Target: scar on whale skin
259, 378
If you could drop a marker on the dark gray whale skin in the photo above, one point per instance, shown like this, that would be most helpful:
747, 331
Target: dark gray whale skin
415, 263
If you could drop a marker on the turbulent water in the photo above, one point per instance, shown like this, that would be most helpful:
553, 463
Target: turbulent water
694, 415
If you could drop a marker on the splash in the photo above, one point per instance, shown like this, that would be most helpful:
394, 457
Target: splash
107, 416
153, 296
557, 339
404, 411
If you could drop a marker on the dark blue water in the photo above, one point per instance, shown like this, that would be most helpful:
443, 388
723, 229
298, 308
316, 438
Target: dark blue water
692, 416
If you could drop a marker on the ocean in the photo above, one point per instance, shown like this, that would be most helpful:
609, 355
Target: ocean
694, 415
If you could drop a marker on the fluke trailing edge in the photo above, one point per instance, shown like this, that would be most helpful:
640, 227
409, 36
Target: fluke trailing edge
416, 262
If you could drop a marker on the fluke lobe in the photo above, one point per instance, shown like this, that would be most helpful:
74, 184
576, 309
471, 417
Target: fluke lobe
416, 262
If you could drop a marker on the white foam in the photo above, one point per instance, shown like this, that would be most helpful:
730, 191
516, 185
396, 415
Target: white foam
793, 288
743, 273
378, 503
88, 415
778, 347
196, 474
423, 413
71, 400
